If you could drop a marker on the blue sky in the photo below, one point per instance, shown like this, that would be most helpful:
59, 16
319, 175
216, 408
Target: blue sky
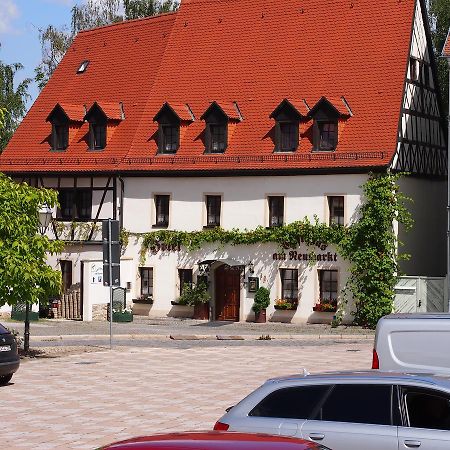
20, 21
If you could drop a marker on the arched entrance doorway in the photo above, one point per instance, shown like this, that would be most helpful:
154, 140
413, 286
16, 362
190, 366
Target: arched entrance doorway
227, 287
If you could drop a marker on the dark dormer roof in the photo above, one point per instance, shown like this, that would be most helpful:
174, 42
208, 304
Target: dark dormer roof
73, 113
331, 107
228, 109
111, 111
180, 110
297, 110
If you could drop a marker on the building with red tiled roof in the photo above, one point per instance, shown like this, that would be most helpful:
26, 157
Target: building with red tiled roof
237, 114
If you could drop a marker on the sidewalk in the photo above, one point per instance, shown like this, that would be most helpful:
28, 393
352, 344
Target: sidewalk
165, 328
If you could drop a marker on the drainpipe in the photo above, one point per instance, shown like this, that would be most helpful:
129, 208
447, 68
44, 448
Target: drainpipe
448, 191
122, 190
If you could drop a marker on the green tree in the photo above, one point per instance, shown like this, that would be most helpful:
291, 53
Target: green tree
12, 100
55, 41
24, 274
439, 12
2, 118
135, 9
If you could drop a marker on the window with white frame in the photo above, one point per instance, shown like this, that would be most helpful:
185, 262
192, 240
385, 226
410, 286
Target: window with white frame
162, 211
328, 280
185, 277
213, 206
289, 285
336, 209
146, 274
276, 210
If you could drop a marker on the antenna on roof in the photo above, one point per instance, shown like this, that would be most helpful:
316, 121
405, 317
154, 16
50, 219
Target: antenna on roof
305, 372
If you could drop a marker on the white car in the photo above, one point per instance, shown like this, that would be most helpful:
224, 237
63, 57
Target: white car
350, 410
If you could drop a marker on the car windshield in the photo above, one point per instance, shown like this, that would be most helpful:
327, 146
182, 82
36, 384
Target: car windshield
3, 330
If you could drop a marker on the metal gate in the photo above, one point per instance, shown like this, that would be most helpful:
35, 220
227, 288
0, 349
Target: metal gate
420, 294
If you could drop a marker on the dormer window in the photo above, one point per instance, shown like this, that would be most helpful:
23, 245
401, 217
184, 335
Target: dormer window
62, 117
60, 135
170, 137
97, 133
326, 115
216, 137
98, 120
287, 121
217, 118
170, 118
327, 135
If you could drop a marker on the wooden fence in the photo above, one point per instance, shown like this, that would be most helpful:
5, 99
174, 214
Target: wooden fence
68, 306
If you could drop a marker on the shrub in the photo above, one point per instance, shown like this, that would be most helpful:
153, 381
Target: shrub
262, 299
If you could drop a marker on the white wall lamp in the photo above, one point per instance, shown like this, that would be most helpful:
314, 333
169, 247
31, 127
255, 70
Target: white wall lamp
45, 218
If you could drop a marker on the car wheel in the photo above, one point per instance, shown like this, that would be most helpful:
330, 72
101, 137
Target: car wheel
5, 379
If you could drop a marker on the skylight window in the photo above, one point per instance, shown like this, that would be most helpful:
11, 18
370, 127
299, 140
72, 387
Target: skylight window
83, 66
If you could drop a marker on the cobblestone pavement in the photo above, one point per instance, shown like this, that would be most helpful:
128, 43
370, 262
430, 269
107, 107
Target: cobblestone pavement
86, 400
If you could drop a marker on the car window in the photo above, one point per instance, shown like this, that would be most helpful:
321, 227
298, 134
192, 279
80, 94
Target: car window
290, 403
357, 403
3, 330
427, 408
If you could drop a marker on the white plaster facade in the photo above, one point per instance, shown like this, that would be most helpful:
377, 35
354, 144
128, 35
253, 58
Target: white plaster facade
244, 206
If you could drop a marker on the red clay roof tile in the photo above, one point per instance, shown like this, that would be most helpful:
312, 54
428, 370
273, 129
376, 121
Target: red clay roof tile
253, 52
446, 50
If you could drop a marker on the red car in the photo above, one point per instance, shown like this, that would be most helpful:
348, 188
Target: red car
214, 440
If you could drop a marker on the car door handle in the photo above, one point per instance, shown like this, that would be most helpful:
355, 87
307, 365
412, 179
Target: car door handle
316, 436
413, 444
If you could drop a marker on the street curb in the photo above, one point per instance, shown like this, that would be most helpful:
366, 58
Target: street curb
246, 337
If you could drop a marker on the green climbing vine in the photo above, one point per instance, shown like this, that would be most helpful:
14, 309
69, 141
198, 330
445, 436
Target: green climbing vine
369, 244
372, 247
75, 230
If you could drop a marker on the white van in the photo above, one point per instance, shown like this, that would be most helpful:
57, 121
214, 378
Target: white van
413, 343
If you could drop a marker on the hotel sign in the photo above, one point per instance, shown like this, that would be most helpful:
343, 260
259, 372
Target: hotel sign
294, 255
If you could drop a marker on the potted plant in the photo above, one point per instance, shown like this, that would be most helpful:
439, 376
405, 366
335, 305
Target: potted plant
261, 302
196, 295
184, 298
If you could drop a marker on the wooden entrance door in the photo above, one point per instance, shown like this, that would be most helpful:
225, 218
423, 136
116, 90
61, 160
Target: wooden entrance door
228, 281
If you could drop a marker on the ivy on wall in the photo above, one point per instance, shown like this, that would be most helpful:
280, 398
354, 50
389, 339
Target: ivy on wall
369, 244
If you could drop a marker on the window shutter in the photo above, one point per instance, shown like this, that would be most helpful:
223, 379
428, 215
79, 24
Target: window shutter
54, 138
160, 139
277, 136
316, 135
208, 138
296, 135
177, 137
91, 136
65, 136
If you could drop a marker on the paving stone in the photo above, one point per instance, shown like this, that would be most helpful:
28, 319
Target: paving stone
62, 404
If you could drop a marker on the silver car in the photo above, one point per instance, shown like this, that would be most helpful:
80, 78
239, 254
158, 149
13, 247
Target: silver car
350, 410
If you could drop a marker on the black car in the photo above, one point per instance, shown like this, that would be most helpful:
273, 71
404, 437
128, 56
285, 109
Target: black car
9, 356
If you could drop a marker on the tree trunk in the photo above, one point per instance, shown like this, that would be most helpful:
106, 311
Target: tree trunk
26, 334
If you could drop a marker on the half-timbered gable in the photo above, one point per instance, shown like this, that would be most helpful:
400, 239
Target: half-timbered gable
422, 144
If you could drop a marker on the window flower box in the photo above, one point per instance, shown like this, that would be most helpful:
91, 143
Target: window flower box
325, 307
285, 305
122, 316
178, 303
144, 300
